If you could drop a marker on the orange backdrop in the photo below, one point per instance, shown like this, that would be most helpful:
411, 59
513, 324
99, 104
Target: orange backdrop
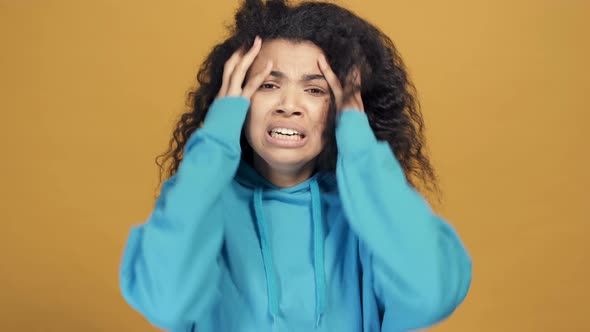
90, 91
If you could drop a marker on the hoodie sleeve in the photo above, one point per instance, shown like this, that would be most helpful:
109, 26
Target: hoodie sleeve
421, 271
170, 268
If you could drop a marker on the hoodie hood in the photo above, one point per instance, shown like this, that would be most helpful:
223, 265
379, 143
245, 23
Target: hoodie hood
250, 178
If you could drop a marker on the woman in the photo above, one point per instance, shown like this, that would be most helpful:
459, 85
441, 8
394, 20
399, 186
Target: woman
291, 204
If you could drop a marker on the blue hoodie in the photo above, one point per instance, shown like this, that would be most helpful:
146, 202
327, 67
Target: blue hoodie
358, 250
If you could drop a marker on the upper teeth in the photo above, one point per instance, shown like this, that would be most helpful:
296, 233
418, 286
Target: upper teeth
285, 131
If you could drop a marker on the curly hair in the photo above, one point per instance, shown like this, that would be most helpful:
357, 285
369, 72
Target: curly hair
388, 95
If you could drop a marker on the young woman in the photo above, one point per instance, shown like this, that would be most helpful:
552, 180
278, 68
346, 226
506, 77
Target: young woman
291, 203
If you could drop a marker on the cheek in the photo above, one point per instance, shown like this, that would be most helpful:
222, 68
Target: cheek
254, 125
248, 129
320, 116
260, 104
264, 99
250, 125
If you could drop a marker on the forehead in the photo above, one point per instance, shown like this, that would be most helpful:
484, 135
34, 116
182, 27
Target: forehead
288, 56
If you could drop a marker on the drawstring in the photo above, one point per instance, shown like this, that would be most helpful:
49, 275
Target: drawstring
318, 253
271, 282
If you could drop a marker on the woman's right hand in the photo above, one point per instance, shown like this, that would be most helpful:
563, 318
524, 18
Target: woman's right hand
235, 69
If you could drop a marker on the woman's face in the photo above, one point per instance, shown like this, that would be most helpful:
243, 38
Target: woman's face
288, 113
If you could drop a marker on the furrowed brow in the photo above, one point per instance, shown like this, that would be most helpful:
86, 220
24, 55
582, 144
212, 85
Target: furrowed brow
312, 77
277, 74
305, 77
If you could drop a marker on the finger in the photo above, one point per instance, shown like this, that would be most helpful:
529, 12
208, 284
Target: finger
352, 98
332, 79
239, 73
359, 101
357, 83
228, 68
356, 77
353, 82
255, 82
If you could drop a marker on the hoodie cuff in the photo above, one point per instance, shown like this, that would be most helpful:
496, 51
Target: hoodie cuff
226, 117
353, 133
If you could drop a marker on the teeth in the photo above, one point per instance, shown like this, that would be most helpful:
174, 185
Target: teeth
297, 137
285, 131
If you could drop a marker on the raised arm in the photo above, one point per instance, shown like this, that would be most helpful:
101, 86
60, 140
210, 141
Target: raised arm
170, 267
420, 270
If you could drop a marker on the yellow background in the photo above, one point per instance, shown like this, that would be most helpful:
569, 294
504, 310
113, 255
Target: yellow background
90, 91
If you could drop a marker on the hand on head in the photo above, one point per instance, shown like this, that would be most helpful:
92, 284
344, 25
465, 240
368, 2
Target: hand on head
235, 69
349, 96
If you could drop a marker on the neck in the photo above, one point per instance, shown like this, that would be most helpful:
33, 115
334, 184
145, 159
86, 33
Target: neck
284, 177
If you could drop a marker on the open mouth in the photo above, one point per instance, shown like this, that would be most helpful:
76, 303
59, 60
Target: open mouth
286, 134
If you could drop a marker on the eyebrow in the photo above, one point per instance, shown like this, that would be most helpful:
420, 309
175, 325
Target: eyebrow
306, 77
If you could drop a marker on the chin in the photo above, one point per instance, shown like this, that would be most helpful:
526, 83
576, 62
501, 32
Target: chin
285, 160
286, 164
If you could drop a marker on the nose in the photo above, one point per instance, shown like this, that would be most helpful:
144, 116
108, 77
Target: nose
289, 104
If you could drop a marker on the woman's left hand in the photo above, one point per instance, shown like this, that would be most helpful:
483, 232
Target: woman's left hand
349, 96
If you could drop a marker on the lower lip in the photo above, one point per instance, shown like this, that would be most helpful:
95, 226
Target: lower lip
285, 143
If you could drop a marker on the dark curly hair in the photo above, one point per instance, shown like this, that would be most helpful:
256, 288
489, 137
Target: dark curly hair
388, 95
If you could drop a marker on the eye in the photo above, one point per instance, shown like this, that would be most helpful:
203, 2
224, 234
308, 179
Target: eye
268, 86
316, 91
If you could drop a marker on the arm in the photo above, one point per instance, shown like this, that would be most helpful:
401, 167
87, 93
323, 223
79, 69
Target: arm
421, 270
169, 270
